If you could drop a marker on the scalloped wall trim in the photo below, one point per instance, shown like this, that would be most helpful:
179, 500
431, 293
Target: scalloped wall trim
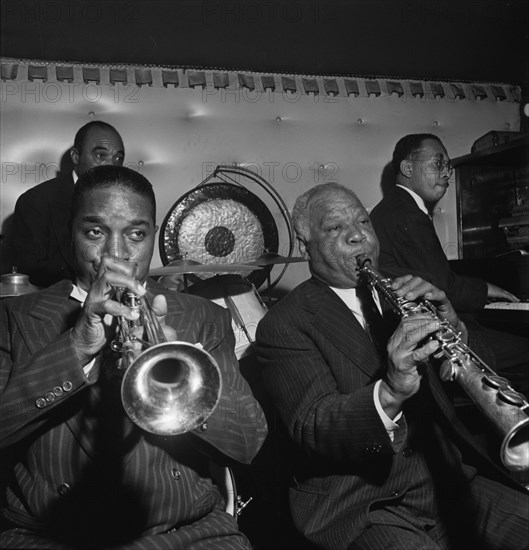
23, 70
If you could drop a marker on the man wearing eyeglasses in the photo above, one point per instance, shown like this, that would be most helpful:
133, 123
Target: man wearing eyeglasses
409, 244
403, 224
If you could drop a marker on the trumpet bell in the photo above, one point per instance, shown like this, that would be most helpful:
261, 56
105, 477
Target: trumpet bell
171, 388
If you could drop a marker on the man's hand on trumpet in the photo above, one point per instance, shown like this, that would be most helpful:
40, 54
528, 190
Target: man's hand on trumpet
96, 326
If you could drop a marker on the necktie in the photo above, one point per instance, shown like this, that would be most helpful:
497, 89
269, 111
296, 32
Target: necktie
375, 324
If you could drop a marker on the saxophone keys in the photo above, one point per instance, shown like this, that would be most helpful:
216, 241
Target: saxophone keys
448, 371
496, 382
511, 397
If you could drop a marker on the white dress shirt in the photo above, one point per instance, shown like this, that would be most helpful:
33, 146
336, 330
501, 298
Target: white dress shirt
348, 296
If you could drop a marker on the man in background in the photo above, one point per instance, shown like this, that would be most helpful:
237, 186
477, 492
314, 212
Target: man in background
403, 224
38, 239
409, 244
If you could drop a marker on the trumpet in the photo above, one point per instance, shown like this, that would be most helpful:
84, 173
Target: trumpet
169, 388
506, 409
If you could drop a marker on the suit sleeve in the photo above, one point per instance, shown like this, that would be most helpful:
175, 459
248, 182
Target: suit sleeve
412, 246
321, 418
33, 385
237, 427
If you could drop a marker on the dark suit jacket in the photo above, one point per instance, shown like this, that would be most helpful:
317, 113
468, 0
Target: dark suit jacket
319, 368
69, 475
409, 244
38, 242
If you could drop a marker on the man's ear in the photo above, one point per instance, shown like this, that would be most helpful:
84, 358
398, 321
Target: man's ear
74, 155
406, 168
302, 245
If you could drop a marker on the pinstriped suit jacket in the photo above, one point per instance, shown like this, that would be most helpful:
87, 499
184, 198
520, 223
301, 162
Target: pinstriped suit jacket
319, 368
68, 477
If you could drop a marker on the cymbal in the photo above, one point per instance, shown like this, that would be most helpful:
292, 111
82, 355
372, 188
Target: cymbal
184, 261
15, 284
184, 269
272, 259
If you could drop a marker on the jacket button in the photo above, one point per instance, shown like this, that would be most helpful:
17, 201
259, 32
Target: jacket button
41, 402
64, 489
57, 390
50, 396
203, 426
175, 472
407, 452
67, 386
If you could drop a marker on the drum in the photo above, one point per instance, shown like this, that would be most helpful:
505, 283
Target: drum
223, 477
240, 296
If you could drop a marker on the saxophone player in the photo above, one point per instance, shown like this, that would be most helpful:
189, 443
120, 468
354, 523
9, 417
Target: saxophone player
380, 459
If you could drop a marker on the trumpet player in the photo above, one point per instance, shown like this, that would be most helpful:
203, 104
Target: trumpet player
380, 459
79, 473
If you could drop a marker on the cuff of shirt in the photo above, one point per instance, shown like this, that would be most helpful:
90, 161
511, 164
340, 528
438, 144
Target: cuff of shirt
389, 424
88, 368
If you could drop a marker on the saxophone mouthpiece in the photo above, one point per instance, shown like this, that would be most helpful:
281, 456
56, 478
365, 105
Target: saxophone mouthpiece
362, 260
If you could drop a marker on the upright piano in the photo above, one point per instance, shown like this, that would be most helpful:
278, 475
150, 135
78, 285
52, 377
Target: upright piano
492, 190
511, 272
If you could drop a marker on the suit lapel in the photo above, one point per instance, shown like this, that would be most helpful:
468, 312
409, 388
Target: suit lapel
408, 202
339, 325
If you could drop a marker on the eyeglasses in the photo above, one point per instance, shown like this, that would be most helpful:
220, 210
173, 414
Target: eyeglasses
438, 165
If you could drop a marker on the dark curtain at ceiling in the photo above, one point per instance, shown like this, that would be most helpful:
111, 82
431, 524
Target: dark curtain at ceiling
481, 40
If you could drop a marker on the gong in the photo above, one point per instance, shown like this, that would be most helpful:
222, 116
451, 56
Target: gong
219, 223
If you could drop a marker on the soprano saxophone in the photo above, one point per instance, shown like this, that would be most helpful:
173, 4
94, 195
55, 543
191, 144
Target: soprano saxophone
505, 408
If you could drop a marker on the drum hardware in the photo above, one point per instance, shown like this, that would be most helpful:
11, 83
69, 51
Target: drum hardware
271, 259
237, 294
241, 505
185, 266
170, 269
237, 316
16, 284
224, 478
202, 268
182, 261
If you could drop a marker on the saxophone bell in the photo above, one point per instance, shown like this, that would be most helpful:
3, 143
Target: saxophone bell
502, 405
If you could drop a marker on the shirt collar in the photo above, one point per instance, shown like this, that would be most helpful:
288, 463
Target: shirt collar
416, 198
348, 296
78, 294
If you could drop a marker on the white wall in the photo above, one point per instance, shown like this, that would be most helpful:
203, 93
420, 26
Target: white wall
175, 136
